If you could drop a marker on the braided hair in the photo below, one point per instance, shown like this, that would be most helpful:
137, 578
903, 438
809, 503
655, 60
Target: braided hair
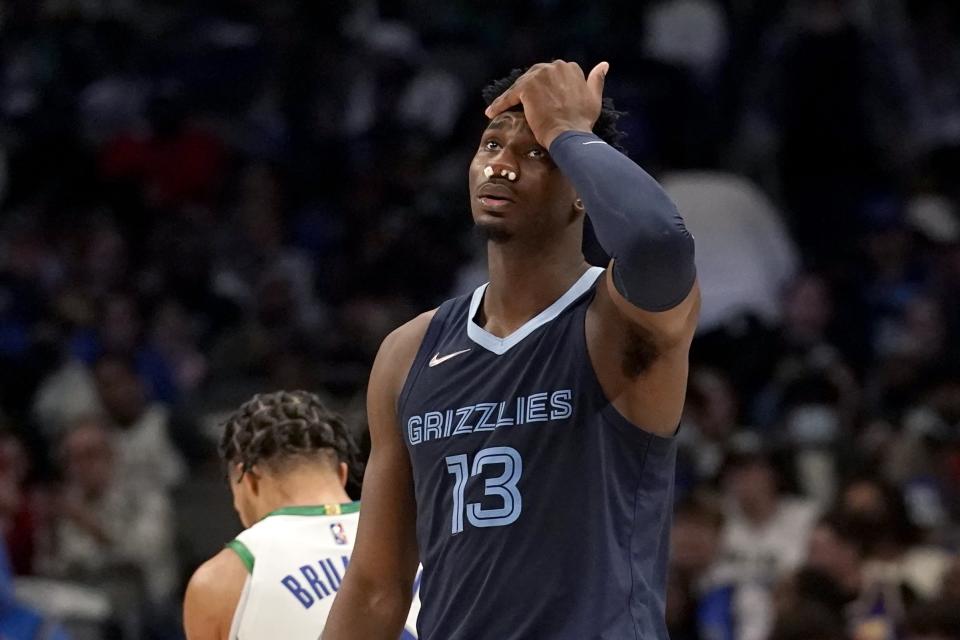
285, 427
605, 127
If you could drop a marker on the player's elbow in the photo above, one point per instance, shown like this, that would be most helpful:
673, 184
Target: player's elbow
392, 605
390, 599
373, 603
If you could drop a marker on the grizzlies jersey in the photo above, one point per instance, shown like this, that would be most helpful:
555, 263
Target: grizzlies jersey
541, 511
295, 558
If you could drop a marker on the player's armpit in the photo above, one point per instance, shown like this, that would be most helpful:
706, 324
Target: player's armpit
641, 358
378, 587
212, 597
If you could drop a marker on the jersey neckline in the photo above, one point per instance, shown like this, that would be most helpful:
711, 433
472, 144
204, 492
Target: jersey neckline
499, 346
317, 510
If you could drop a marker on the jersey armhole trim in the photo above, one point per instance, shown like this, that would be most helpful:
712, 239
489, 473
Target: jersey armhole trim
243, 552
430, 336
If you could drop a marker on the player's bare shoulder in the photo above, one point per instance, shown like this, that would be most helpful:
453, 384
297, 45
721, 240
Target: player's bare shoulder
398, 351
212, 596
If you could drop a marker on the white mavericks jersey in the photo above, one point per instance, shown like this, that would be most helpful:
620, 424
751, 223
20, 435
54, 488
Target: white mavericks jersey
296, 558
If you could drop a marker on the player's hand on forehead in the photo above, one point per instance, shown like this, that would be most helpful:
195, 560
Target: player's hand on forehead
556, 97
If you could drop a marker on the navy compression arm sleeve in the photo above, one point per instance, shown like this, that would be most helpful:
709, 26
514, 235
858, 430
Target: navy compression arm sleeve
634, 220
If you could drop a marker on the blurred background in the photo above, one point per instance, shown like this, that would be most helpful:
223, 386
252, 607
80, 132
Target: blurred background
202, 200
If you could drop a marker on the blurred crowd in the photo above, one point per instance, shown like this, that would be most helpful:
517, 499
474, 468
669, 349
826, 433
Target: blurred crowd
199, 201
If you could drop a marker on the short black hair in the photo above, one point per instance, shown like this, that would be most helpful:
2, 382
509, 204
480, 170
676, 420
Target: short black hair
275, 429
605, 126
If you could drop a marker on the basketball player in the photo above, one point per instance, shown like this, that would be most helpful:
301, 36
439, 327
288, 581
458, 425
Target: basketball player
288, 458
522, 435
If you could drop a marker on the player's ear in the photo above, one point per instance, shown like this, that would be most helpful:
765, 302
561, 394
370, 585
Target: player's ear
578, 205
342, 472
252, 479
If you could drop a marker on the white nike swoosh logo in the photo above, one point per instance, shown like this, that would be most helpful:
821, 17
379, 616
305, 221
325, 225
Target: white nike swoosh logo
435, 360
595, 142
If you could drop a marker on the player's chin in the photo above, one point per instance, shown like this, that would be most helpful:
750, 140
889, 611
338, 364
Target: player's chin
486, 215
492, 227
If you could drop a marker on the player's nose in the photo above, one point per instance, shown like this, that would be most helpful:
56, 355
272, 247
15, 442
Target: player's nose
502, 167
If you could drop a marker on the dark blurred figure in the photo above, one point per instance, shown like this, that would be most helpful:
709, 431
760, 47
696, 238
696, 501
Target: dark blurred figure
836, 552
935, 620
17, 621
809, 621
173, 164
950, 586
145, 451
825, 88
120, 332
681, 608
18, 518
105, 531
710, 417
894, 554
764, 535
699, 603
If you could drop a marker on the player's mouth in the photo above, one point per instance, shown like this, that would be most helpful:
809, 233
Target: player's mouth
495, 196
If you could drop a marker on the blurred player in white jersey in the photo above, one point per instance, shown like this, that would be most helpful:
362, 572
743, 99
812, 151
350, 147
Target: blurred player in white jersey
288, 458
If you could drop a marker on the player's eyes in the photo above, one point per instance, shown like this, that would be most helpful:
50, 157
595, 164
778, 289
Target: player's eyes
491, 145
537, 153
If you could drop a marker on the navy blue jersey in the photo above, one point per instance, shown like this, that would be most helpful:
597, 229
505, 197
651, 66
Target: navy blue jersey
541, 511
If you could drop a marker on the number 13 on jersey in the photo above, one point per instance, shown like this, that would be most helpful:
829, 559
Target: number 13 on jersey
503, 487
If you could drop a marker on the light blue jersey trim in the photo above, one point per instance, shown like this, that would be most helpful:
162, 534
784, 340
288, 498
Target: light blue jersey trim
500, 346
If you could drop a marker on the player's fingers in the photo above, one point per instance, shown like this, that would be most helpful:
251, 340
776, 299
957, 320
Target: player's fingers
576, 68
511, 97
506, 100
597, 77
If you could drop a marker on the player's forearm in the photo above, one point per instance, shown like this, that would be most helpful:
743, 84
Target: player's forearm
363, 611
634, 219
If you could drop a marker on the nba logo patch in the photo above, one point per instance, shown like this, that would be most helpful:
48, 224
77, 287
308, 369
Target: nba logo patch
339, 535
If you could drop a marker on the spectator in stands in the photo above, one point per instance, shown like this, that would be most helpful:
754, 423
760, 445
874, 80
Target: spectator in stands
695, 538
764, 536
18, 622
935, 620
120, 333
704, 606
836, 552
709, 420
177, 162
809, 621
146, 454
106, 530
894, 555
18, 519
950, 585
